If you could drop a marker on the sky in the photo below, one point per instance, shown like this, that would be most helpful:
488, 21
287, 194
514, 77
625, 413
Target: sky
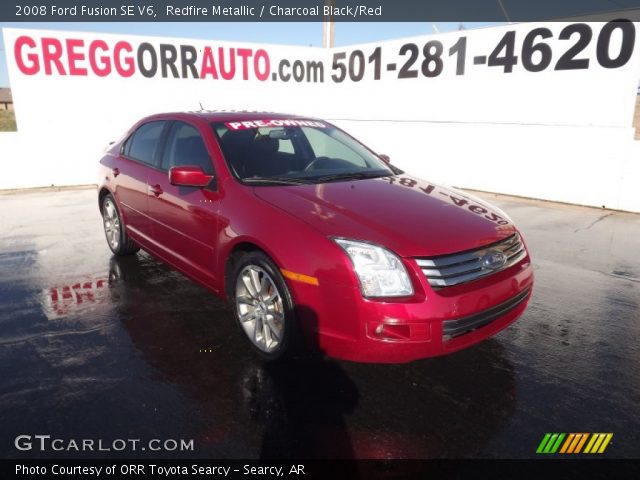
290, 33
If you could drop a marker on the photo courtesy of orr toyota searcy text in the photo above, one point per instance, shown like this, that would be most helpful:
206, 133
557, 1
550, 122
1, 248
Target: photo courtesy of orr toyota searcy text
159, 470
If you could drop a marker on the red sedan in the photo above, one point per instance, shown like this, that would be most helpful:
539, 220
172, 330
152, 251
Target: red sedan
313, 237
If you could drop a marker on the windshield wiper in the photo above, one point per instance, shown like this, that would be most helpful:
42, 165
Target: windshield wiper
275, 181
350, 176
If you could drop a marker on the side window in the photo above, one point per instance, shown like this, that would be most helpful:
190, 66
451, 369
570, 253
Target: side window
186, 147
144, 143
325, 146
127, 145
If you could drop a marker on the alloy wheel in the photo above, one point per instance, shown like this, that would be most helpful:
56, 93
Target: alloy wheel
111, 224
259, 308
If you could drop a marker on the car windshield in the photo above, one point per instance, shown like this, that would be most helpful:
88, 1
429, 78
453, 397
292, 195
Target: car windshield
291, 152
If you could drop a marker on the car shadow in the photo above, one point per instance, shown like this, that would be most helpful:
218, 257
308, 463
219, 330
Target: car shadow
189, 337
309, 406
314, 395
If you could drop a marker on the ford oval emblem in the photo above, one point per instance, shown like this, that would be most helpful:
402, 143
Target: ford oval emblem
493, 260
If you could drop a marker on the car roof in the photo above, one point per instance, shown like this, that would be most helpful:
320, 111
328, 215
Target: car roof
225, 115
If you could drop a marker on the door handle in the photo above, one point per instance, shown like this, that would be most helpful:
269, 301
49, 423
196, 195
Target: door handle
156, 190
115, 171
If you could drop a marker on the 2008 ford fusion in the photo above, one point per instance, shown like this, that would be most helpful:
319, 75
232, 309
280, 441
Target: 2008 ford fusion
312, 237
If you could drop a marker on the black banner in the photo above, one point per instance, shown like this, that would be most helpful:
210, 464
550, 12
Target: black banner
315, 10
325, 469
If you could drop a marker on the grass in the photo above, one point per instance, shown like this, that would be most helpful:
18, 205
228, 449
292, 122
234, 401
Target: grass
7, 121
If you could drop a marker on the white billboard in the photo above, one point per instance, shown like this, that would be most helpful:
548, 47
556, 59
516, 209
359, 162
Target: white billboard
537, 109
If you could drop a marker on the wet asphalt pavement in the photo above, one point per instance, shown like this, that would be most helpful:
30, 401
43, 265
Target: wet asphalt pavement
97, 347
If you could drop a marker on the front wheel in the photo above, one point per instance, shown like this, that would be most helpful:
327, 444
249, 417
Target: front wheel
263, 305
117, 238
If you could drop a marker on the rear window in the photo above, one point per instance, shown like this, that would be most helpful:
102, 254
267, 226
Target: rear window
143, 144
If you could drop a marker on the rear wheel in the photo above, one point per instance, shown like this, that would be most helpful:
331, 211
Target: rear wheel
263, 305
114, 230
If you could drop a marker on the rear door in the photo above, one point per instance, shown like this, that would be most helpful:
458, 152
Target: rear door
185, 219
139, 156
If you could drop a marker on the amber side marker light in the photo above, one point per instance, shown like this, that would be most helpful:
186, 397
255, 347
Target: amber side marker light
299, 277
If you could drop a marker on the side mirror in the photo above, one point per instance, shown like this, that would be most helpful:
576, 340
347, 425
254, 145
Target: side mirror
189, 176
384, 158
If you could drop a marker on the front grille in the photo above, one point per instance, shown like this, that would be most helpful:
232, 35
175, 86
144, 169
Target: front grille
460, 326
449, 270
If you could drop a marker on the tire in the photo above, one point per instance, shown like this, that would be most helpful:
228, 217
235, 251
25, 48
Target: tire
263, 306
114, 229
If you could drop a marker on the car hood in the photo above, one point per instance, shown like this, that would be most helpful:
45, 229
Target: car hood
407, 215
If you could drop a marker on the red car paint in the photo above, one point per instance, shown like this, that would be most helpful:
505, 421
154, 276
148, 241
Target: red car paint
196, 230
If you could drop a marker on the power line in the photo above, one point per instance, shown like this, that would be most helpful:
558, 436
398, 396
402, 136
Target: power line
504, 11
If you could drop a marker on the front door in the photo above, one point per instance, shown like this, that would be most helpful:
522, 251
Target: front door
185, 218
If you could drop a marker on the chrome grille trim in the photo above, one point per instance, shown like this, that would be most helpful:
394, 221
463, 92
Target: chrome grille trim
457, 268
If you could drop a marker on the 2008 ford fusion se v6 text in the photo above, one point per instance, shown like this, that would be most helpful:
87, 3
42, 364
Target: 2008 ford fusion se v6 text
314, 239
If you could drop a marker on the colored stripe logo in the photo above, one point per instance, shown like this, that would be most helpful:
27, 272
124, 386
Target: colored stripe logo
574, 443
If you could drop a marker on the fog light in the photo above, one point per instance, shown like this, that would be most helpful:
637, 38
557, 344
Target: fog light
393, 332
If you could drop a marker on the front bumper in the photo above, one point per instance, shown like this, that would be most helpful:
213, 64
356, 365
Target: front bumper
345, 325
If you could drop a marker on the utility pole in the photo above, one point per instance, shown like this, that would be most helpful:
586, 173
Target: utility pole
328, 26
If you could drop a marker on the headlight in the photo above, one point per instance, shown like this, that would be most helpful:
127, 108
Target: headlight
381, 273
